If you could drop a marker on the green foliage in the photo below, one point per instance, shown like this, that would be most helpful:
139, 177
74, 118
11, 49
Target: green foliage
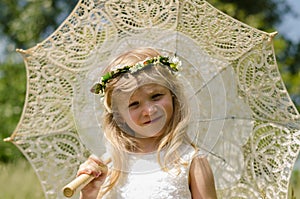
26, 22
262, 14
23, 24
294, 191
288, 56
12, 89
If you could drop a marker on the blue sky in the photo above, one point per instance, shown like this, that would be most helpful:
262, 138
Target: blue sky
290, 26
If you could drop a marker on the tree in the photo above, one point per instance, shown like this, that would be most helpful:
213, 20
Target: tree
262, 14
12, 89
289, 60
22, 25
26, 22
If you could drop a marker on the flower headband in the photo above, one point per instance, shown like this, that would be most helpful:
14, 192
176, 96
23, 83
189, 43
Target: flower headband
172, 63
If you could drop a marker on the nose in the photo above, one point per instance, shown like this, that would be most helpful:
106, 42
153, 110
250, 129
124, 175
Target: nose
149, 109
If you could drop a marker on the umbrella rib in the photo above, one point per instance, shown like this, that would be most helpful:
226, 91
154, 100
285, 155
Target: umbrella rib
225, 118
282, 124
213, 77
176, 37
214, 154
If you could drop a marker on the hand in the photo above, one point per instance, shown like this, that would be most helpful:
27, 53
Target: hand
93, 166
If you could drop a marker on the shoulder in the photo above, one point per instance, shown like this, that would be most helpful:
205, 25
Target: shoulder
200, 164
201, 178
188, 153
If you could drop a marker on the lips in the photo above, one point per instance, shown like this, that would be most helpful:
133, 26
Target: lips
152, 121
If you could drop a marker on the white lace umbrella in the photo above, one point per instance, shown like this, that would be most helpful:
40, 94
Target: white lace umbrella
243, 115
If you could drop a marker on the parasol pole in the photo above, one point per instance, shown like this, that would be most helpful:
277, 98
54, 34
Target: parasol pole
79, 182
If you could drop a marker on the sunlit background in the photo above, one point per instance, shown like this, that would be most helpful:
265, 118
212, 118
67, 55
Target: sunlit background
25, 23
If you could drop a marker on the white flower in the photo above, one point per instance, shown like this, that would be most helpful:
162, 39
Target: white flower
114, 68
176, 61
136, 67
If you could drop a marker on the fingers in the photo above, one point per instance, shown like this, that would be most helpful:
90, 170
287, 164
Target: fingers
92, 166
95, 167
99, 163
95, 159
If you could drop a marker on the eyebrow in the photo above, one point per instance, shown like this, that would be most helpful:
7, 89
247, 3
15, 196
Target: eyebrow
158, 88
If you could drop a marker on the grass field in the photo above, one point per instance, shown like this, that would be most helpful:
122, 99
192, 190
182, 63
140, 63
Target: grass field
18, 181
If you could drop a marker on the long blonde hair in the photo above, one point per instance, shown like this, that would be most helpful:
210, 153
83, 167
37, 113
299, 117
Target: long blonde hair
120, 142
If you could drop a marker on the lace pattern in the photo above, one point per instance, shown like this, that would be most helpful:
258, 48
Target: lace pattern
262, 135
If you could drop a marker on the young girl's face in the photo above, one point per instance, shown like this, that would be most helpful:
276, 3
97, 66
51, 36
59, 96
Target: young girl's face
148, 110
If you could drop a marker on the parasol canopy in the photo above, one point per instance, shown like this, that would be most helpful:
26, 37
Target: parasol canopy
242, 114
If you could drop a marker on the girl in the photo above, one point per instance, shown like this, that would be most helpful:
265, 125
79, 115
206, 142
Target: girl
145, 121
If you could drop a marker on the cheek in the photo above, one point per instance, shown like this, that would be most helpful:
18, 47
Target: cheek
167, 109
132, 116
171, 107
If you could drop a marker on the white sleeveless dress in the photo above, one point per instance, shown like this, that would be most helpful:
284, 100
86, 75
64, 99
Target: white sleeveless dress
146, 180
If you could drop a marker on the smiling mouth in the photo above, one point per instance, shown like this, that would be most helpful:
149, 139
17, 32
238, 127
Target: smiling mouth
152, 121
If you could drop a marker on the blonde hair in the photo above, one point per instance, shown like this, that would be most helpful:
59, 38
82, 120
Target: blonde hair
120, 141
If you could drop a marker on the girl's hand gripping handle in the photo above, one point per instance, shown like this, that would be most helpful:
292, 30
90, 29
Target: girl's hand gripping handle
88, 171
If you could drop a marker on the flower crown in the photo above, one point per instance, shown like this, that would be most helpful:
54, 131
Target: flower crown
172, 63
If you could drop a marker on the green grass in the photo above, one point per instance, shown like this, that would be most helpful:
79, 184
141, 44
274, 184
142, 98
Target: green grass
18, 181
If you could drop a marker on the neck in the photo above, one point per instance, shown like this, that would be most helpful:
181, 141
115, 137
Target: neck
147, 145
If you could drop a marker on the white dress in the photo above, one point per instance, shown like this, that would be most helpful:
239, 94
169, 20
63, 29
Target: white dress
146, 180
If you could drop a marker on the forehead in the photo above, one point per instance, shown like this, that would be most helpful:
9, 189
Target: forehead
149, 89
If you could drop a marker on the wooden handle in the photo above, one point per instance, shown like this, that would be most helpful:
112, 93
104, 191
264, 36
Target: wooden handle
78, 183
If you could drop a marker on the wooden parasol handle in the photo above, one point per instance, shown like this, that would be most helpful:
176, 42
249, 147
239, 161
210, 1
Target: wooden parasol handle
79, 182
